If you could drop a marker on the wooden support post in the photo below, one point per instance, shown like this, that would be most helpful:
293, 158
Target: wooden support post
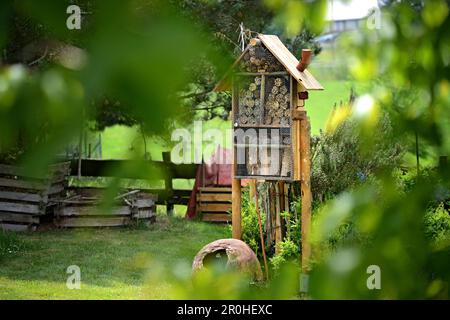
80, 154
305, 134
100, 150
168, 185
236, 208
272, 210
283, 206
235, 183
278, 235
263, 247
252, 186
287, 209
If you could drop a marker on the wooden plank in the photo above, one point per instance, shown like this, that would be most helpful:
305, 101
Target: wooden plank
216, 217
214, 197
143, 203
61, 167
22, 184
55, 171
60, 178
54, 189
93, 222
144, 214
275, 73
267, 178
17, 217
92, 211
214, 207
80, 202
20, 207
10, 170
22, 196
14, 227
215, 189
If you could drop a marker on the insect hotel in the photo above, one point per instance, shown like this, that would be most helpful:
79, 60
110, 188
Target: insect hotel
271, 139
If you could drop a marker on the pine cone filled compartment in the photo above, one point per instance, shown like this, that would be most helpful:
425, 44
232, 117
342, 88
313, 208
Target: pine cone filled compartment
249, 105
277, 105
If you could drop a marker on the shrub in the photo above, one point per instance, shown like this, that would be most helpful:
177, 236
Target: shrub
437, 223
288, 251
250, 228
340, 162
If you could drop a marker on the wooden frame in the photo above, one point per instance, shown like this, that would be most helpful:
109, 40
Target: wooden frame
237, 125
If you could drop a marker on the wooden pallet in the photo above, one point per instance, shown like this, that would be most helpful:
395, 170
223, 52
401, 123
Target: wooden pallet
83, 210
214, 204
25, 198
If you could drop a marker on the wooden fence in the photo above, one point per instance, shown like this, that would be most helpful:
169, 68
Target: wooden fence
164, 170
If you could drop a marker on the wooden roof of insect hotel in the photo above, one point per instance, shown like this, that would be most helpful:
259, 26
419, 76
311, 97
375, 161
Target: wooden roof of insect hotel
283, 55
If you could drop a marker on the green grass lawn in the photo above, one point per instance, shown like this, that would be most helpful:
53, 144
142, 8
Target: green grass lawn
114, 263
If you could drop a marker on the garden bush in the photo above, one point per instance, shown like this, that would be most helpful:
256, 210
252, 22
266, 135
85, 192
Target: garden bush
339, 160
250, 228
437, 222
